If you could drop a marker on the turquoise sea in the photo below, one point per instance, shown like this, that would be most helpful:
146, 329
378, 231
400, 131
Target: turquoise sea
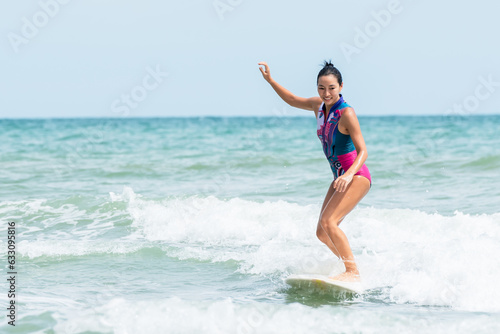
190, 225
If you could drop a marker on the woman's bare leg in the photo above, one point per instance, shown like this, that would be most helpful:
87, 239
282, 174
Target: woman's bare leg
320, 231
339, 205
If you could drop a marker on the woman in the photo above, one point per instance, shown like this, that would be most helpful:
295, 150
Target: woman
345, 149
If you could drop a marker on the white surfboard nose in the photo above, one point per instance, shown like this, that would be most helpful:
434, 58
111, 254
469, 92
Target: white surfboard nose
325, 282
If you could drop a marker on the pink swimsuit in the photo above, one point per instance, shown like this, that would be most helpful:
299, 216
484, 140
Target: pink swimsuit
338, 147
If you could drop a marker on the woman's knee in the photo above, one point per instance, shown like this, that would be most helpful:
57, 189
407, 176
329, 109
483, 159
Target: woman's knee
320, 233
330, 225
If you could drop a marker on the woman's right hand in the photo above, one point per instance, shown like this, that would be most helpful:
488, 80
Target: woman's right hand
265, 72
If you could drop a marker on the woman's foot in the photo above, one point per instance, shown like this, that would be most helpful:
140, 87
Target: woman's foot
348, 276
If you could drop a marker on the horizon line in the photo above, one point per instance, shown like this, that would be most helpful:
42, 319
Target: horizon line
229, 116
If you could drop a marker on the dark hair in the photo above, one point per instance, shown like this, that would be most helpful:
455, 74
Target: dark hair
329, 68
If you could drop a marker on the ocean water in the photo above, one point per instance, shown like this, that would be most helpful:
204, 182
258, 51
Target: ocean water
190, 225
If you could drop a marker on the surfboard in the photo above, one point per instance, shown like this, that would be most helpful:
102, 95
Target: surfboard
324, 283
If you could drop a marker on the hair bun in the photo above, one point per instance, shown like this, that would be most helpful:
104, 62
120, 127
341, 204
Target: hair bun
329, 68
328, 64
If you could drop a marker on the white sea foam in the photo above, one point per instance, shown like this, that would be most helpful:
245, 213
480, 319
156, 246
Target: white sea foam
415, 257
62, 248
175, 315
404, 256
430, 259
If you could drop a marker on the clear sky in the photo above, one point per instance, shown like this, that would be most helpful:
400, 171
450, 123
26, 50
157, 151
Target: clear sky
123, 58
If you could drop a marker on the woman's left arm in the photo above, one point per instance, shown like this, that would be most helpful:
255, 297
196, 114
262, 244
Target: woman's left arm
349, 121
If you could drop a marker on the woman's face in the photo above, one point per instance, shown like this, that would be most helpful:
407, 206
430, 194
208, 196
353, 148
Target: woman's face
329, 89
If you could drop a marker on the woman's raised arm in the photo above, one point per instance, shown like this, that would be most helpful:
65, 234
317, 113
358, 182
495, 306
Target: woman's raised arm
311, 103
